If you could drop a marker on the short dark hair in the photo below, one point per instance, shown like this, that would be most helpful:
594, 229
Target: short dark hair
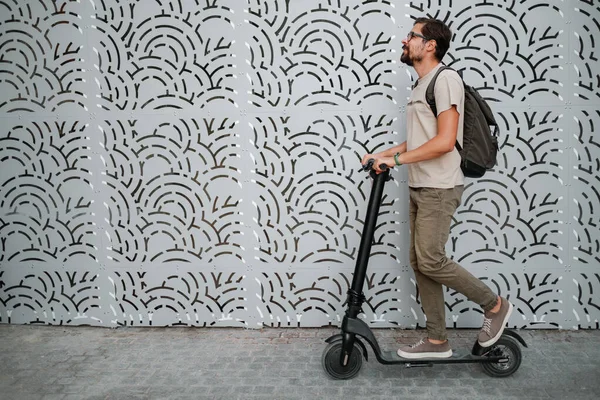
434, 29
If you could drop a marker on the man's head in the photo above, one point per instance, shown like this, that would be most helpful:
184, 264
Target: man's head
428, 38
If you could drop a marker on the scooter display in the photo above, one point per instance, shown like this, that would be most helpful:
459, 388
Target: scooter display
343, 356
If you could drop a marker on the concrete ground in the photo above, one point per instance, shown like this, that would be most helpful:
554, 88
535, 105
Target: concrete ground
41, 362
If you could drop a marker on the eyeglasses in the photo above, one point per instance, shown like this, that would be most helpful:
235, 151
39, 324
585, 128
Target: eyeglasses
412, 34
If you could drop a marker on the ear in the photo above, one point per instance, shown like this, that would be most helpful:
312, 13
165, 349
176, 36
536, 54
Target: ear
431, 45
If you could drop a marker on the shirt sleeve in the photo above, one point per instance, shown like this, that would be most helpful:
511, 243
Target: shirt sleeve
449, 91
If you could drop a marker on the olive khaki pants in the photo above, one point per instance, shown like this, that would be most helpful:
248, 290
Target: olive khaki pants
430, 213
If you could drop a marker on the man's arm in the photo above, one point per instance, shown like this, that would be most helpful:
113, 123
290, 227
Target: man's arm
401, 148
441, 144
385, 154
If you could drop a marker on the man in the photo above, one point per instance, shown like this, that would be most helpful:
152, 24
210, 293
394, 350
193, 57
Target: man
436, 185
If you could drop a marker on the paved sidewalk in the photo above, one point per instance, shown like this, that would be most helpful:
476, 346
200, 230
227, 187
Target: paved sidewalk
40, 362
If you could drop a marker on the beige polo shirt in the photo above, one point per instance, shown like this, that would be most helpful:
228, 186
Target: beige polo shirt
442, 172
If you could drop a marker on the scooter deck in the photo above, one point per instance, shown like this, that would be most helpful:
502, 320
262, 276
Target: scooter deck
457, 357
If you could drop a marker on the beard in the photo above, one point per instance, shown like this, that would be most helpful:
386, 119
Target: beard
407, 59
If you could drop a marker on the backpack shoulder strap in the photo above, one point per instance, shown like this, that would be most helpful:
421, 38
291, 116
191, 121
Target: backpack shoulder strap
430, 97
430, 93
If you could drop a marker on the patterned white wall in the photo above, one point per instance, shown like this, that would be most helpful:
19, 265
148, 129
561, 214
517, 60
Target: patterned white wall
196, 162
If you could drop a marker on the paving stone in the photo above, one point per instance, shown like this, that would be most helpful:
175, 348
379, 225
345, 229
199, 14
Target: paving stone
40, 362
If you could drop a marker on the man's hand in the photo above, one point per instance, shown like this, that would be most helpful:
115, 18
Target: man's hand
379, 160
367, 157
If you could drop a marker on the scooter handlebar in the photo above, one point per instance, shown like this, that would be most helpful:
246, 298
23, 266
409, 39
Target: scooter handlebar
369, 165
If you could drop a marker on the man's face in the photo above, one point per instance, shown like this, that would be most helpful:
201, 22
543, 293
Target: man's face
413, 47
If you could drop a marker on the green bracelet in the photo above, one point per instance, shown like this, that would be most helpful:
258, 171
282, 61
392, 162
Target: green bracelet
396, 159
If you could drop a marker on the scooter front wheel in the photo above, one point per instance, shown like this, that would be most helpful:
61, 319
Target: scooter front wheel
331, 361
508, 348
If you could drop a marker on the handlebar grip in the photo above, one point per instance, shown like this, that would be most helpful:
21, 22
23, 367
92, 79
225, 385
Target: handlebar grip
369, 165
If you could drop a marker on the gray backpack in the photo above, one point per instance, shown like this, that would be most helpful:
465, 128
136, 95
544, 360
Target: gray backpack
480, 145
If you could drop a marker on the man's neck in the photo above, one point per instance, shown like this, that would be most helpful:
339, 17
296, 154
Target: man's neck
425, 66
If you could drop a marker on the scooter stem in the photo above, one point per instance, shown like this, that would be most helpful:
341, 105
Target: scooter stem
355, 297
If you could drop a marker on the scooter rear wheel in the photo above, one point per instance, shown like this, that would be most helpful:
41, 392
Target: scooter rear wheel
507, 347
331, 361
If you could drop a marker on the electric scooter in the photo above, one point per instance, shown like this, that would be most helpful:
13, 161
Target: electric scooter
342, 358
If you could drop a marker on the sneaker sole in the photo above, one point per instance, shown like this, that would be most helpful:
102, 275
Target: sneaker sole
416, 356
495, 338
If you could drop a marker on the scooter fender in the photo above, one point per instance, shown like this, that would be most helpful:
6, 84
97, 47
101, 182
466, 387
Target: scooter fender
515, 335
334, 338
479, 351
340, 337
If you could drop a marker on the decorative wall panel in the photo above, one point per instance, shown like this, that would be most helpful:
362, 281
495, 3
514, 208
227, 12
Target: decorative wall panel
188, 162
